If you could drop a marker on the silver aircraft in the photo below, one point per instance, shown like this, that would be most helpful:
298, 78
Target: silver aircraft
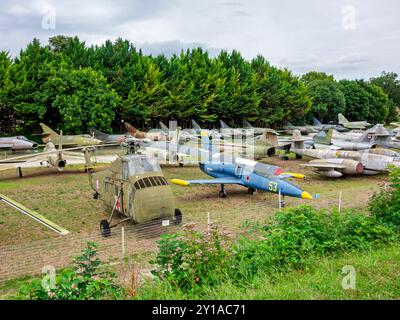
17, 143
337, 163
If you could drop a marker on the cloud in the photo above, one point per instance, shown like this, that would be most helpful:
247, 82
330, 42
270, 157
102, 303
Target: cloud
303, 36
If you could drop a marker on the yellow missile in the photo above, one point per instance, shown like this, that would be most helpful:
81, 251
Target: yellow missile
180, 182
295, 175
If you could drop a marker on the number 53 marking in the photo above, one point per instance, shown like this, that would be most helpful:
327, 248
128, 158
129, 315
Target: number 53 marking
273, 186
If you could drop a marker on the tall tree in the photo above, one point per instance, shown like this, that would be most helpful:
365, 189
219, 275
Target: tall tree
6, 107
390, 83
327, 99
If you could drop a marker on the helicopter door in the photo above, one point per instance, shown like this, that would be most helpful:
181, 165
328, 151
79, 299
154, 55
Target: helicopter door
131, 203
109, 192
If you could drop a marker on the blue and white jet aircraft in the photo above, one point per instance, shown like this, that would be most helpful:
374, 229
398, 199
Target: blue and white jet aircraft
248, 173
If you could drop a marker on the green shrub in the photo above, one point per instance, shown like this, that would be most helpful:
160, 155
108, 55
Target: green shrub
385, 205
299, 235
192, 259
83, 281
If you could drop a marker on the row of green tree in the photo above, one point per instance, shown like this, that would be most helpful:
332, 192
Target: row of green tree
72, 86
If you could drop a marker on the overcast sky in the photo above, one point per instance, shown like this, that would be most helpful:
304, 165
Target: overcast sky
350, 39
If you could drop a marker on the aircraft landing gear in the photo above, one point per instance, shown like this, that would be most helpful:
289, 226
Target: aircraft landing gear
285, 158
105, 228
282, 202
299, 156
19, 172
178, 216
95, 195
222, 192
250, 191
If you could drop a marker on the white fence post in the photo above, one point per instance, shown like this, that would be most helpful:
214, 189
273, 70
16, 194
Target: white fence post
123, 242
280, 200
340, 201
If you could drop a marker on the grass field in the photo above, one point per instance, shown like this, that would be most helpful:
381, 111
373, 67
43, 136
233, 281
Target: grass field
376, 277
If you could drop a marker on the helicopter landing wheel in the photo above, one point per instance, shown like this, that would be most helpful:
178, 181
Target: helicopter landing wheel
105, 228
95, 195
285, 158
222, 192
250, 191
178, 216
180, 164
299, 156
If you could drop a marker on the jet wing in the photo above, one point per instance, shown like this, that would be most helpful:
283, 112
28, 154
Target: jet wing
207, 181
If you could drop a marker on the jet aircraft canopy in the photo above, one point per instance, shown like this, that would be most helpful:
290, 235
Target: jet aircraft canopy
22, 138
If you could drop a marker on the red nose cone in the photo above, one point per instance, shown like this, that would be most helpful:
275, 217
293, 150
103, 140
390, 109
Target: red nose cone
278, 171
359, 168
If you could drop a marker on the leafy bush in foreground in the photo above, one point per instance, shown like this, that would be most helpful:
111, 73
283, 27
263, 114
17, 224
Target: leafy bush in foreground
194, 260
385, 205
302, 233
83, 281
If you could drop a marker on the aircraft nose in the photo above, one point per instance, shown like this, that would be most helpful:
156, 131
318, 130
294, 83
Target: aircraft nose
306, 195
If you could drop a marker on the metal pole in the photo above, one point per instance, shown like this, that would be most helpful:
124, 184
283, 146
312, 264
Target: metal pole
340, 201
123, 242
280, 200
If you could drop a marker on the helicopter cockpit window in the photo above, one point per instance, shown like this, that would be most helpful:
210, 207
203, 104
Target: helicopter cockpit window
150, 165
125, 170
22, 138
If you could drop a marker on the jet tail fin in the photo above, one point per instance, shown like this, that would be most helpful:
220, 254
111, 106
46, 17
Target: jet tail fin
224, 125
316, 122
164, 127
247, 125
131, 129
288, 124
342, 119
48, 131
324, 137
98, 134
195, 125
207, 147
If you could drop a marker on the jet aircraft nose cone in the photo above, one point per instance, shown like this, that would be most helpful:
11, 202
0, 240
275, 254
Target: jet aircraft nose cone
306, 195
